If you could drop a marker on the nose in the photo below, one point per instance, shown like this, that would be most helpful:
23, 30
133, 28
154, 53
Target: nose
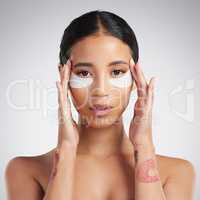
100, 87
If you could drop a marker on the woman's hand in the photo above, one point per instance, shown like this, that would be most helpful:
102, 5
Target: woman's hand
140, 130
61, 179
68, 129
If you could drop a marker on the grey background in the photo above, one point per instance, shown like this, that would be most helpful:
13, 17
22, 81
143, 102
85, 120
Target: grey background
168, 35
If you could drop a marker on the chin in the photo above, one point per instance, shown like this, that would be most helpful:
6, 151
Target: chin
89, 119
102, 121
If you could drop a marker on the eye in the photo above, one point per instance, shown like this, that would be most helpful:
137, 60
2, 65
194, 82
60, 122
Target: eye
83, 73
117, 72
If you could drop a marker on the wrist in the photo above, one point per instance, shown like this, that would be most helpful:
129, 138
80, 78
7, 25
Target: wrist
144, 148
66, 162
66, 151
143, 152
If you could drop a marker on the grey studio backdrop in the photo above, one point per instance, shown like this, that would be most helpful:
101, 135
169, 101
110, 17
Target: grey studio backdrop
168, 36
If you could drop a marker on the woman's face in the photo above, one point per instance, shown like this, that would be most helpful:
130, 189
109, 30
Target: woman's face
96, 81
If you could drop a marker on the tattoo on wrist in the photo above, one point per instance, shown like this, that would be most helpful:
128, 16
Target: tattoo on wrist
147, 172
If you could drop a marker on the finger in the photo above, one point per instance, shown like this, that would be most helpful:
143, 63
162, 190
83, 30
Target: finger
140, 75
60, 94
151, 87
60, 69
63, 106
141, 81
132, 63
141, 90
64, 102
67, 70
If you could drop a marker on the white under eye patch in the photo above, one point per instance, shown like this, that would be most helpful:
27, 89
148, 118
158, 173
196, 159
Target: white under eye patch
78, 82
124, 81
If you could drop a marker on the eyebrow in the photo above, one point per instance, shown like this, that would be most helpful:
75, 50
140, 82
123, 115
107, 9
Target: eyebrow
88, 64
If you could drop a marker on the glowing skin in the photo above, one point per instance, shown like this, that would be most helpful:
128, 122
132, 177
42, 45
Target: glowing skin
81, 82
147, 172
97, 53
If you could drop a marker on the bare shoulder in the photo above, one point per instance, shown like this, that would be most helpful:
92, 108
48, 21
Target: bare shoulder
180, 175
175, 164
29, 163
27, 171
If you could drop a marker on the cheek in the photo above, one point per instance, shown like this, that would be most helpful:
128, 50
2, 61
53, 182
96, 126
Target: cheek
122, 88
79, 89
126, 96
79, 97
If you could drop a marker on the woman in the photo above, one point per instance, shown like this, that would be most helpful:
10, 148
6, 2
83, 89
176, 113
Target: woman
95, 159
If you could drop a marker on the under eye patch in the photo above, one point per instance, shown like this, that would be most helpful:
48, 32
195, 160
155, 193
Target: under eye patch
78, 82
123, 81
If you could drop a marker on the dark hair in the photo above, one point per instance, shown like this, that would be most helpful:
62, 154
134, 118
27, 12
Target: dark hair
95, 22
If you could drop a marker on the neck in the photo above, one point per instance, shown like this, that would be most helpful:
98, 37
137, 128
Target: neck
101, 142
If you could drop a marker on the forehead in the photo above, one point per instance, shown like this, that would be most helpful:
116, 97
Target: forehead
99, 49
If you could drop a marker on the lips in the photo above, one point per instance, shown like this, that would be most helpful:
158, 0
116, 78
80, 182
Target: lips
100, 109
